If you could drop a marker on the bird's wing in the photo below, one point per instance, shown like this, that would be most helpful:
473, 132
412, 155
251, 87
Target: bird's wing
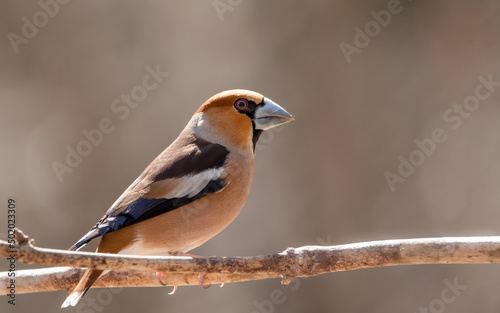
187, 170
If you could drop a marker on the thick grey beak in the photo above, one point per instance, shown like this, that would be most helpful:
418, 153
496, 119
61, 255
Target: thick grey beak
270, 115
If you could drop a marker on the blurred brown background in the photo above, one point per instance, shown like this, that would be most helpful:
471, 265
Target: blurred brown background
320, 180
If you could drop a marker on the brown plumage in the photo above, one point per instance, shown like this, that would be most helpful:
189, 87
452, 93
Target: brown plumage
193, 189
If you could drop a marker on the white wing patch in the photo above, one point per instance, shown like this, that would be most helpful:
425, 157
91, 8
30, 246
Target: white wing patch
190, 185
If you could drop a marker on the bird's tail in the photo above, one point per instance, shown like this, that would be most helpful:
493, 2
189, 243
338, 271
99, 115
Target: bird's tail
83, 286
93, 233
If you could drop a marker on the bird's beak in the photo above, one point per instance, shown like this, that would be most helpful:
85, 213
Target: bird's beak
270, 114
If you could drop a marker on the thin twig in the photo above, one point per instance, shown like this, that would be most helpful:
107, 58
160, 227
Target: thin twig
62, 278
293, 262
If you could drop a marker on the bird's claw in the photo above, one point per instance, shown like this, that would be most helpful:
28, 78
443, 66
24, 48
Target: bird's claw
160, 275
173, 291
201, 278
201, 281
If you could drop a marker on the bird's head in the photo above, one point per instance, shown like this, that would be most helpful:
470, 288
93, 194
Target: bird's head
237, 117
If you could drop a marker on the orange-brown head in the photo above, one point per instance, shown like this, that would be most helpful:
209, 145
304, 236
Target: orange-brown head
237, 118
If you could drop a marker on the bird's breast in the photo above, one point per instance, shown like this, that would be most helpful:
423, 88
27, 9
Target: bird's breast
191, 225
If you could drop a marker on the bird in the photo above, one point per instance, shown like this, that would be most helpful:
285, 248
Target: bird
193, 189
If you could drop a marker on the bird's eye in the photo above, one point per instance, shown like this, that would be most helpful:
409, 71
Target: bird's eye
241, 104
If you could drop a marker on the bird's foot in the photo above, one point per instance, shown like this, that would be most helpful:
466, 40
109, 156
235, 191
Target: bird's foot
201, 281
201, 276
160, 275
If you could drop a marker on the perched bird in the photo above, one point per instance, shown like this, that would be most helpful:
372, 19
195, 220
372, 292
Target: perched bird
193, 189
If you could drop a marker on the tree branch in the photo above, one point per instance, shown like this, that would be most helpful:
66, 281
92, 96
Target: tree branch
139, 271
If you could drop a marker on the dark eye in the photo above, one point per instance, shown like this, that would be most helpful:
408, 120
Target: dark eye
241, 104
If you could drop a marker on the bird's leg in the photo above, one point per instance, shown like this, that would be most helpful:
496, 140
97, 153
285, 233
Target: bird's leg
192, 255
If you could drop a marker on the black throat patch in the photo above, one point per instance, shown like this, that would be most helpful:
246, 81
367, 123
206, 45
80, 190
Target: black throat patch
256, 135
